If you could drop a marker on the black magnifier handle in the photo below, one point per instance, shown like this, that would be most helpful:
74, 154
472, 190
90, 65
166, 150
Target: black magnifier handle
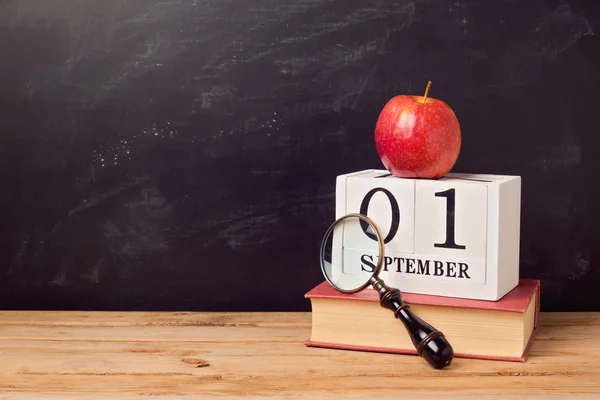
430, 343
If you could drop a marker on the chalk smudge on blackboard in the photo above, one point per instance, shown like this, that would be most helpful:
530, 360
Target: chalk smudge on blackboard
95, 272
254, 223
60, 280
552, 34
141, 232
581, 263
98, 198
554, 206
550, 158
253, 230
328, 24
545, 36
561, 30
214, 95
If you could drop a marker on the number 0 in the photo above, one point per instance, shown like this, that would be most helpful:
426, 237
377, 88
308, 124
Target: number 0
364, 206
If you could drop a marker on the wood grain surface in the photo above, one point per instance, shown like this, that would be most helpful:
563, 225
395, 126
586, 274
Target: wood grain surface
63, 355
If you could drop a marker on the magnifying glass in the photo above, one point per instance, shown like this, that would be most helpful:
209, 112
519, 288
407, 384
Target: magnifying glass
351, 270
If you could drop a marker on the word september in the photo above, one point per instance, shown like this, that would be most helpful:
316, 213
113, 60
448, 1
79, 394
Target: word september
418, 266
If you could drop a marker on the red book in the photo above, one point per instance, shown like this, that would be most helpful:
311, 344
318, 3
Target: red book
495, 330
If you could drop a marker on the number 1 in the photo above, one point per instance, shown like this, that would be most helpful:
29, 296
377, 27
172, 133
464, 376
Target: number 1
450, 220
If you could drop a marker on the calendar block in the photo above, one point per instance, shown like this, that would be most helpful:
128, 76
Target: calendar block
456, 236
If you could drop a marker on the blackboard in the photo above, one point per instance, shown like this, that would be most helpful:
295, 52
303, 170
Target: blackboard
182, 154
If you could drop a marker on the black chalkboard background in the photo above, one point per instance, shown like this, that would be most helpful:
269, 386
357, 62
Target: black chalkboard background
182, 154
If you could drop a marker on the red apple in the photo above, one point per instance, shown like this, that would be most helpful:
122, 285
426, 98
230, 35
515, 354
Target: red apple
417, 136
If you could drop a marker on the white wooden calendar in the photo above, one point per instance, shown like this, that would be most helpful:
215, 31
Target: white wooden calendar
456, 236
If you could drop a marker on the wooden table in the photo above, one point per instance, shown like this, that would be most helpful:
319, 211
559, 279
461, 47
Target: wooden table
63, 355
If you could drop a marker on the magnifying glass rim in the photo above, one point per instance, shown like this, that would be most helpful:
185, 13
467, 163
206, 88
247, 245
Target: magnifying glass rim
380, 241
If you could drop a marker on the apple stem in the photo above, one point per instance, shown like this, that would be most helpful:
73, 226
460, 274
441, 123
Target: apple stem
426, 92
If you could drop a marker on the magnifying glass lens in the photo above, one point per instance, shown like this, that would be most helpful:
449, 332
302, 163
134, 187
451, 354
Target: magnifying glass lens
350, 253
